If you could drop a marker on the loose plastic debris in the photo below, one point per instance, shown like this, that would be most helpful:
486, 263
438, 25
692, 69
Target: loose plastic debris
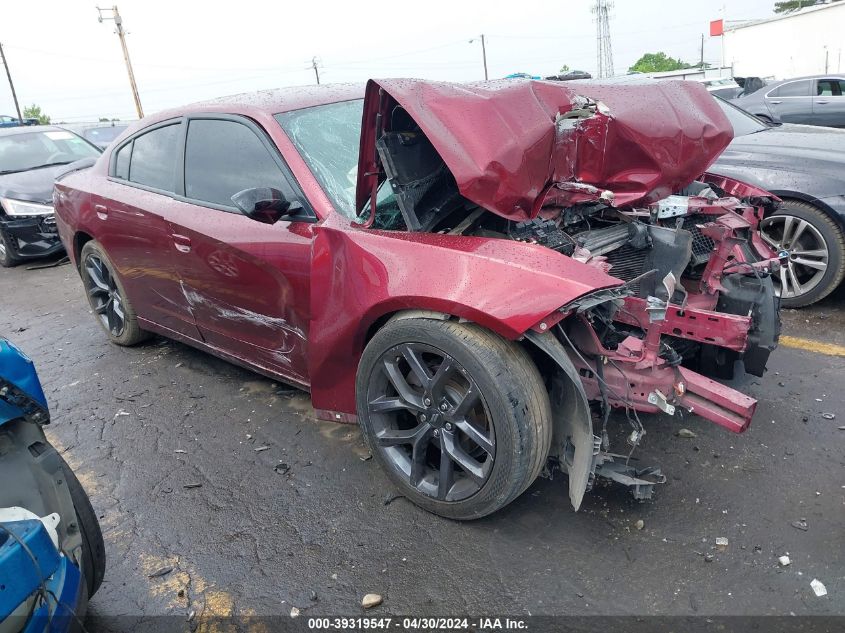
818, 588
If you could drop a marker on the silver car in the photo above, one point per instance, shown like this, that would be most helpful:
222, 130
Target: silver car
816, 100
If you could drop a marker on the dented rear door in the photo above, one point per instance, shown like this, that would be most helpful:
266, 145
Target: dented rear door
246, 282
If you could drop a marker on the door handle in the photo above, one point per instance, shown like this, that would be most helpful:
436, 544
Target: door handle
773, 101
821, 102
182, 243
101, 211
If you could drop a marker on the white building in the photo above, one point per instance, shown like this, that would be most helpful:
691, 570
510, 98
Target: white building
806, 42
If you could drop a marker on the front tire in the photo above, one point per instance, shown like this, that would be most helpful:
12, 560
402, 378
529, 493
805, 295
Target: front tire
107, 297
93, 548
7, 259
816, 247
458, 417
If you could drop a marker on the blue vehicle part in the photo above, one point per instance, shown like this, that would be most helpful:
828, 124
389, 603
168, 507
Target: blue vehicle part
27, 558
31, 566
21, 395
61, 611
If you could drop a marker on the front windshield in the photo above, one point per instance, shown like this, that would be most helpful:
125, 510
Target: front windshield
742, 122
20, 152
327, 138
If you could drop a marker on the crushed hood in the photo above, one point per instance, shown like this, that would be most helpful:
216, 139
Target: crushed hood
515, 146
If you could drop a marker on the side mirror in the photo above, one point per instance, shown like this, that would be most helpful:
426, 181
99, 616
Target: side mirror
264, 204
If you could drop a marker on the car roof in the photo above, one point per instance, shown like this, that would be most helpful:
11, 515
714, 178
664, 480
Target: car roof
273, 101
24, 129
829, 76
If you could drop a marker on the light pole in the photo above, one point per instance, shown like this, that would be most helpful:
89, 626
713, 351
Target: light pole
11, 85
118, 21
483, 53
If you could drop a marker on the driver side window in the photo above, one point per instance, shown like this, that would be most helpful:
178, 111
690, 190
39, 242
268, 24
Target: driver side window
224, 157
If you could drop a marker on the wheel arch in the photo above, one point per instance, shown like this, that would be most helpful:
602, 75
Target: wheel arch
80, 238
787, 195
573, 443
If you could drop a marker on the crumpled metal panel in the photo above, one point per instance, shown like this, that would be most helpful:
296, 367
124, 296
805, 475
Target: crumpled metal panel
513, 147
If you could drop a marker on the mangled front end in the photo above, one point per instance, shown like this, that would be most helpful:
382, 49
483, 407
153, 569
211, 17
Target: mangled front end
614, 177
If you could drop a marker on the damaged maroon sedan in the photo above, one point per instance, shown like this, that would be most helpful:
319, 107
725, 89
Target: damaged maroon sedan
478, 274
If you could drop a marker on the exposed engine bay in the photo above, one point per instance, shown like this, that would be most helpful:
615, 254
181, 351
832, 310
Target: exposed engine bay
697, 295
673, 237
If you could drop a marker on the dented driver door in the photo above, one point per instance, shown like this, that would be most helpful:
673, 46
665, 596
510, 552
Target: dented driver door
246, 282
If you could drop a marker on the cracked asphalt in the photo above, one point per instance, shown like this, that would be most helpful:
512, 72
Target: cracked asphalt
167, 440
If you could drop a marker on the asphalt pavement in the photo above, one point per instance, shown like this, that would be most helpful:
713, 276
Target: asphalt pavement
220, 493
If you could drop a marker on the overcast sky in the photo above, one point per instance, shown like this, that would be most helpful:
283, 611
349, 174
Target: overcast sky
65, 61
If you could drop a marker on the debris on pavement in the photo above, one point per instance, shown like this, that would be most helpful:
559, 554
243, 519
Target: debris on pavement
189, 486
391, 498
640, 524
261, 448
708, 558
163, 571
371, 600
829, 416
180, 451
784, 561
281, 468
818, 588
313, 596
120, 413
801, 524
686, 433
294, 612
721, 543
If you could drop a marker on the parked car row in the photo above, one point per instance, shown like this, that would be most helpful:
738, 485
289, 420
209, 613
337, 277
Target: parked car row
13, 121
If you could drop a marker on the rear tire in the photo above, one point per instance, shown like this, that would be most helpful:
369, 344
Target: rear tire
107, 297
93, 548
457, 460
811, 237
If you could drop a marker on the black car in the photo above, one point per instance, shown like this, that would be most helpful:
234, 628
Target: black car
30, 159
805, 166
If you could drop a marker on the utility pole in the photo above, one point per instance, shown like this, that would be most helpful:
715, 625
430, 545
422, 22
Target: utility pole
118, 21
701, 64
314, 65
11, 85
604, 50
483, 53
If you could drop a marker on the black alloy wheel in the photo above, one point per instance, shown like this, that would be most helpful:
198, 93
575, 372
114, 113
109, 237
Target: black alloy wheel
430, 422
457, 416
104, 295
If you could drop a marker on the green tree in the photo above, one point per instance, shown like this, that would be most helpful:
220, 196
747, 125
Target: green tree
34, 112
788, 6
657, 63
564, 69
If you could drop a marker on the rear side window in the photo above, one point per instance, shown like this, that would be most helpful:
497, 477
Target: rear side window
792, 89
225, 157
153, 161
830, 87
121, 161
